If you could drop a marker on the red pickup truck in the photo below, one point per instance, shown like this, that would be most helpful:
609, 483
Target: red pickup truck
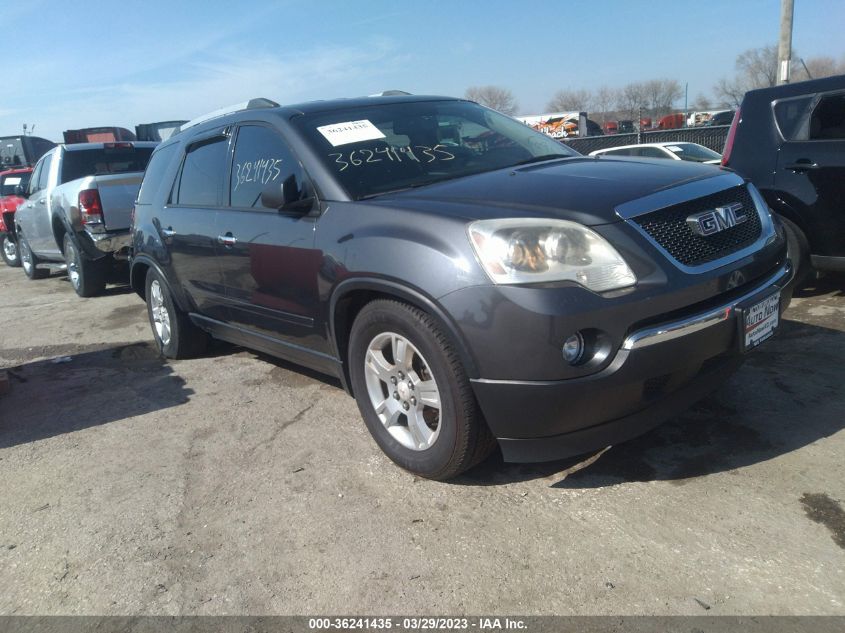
12, 183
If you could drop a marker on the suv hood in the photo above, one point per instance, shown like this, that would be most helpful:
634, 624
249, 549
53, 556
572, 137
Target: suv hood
586, 190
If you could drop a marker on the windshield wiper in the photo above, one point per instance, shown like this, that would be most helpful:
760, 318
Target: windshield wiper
541, 158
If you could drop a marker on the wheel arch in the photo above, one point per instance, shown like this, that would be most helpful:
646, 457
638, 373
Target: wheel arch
138, 269
351, 295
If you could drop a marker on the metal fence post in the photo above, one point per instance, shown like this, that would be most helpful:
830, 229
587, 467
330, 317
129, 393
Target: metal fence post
640, 126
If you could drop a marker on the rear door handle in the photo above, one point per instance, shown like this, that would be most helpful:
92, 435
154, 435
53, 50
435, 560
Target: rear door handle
42, 201
803, 164
168, 232
227, 240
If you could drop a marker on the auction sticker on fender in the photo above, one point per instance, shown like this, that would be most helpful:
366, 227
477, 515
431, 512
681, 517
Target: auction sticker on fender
350, 132
760, 321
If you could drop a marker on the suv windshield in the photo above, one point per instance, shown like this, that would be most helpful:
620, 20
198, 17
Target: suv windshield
98, 162
381, 148
693, 152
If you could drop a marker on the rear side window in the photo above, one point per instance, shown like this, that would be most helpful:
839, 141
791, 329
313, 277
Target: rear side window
618, 152
262, 159
828, 120
156, 171
650, 152
792, 118
104, 161
203, 173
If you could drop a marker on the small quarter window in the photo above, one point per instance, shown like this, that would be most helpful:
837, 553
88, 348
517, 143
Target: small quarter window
203, 173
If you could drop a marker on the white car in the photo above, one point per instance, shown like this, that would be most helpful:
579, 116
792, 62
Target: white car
675, 151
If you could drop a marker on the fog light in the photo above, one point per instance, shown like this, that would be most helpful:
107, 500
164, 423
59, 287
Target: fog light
573, 348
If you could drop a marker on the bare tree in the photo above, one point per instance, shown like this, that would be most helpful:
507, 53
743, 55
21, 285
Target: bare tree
494, 97
755, 68
660, 95
570, 101
701, 102
816, 68
604, 100
631, 98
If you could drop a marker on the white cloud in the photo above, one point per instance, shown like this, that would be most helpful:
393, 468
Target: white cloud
227, 77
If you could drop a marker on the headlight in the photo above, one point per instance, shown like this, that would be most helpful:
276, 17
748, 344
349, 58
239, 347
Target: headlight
531, 250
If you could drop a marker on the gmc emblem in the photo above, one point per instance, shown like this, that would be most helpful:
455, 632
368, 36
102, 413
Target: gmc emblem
715, 220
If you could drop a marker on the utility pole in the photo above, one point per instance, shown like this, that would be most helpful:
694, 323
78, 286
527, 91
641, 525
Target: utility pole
785, 41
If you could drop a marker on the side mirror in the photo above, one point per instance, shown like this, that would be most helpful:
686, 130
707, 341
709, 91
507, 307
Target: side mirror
20, 191
291, 196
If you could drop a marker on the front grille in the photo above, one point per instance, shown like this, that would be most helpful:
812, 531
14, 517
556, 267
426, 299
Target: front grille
668, 228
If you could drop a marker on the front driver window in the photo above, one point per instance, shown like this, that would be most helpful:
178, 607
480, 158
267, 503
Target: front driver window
262, 159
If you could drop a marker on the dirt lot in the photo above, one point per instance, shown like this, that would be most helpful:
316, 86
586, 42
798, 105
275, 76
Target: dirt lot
237, 484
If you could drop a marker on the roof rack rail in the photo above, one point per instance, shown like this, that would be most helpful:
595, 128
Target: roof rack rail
252, 104
391, 93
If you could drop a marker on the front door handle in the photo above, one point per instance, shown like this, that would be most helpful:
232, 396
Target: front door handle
227, 240
802, 164
168, 232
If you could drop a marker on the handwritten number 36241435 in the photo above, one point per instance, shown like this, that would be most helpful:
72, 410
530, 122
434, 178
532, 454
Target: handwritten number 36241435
364, 156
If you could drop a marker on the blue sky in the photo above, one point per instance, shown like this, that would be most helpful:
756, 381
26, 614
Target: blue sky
92, 63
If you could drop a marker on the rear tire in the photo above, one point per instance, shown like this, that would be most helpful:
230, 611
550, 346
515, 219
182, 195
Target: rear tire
413, 392
9, 250
175, 335
29, 261
798, 249
87, 277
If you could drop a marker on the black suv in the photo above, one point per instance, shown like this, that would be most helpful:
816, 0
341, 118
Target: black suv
469, 280
790, 142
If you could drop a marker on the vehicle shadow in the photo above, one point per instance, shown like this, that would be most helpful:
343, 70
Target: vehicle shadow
84, 386
828, 283
787, 395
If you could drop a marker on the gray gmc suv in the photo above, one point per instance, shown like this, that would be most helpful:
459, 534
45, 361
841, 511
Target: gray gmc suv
471, 282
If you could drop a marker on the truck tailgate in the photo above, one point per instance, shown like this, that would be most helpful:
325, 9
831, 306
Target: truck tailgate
117, 194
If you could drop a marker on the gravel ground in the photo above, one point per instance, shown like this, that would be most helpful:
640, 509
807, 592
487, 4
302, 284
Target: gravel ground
235, 484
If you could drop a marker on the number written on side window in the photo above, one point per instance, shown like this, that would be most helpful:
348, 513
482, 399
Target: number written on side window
262, 159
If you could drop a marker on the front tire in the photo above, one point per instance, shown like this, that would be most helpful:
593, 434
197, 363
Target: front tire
175, 335
413, 392
798, 249
87, 277
29, 261
9, 250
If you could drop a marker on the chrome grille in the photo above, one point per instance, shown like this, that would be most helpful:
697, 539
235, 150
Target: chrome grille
668, 228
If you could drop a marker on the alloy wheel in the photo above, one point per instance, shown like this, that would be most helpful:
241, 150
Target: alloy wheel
26, 257
73, 266
403, 391
161, 315
10, 249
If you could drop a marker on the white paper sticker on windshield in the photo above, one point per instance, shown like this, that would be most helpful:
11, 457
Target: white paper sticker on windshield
674, 148
12, 181
350, 132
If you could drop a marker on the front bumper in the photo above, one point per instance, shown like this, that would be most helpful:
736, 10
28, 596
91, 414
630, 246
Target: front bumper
656, 373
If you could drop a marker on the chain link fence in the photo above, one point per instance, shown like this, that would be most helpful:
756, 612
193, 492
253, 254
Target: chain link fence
712, 137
